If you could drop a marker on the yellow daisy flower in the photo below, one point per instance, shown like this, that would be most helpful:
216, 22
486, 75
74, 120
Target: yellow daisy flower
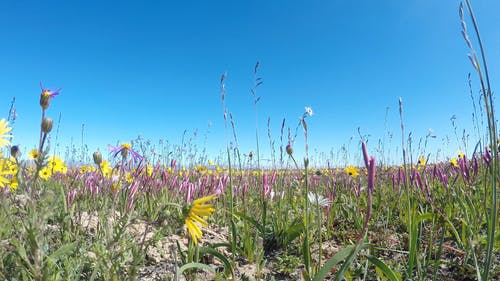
352, 171
106, 168
4, 129
194, 216
129, 178
33, 154
454, 162
56, 165
13, 184
421, 161
3, 181
45, 173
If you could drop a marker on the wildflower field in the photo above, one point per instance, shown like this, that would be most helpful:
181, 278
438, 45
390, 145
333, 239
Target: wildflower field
137, 211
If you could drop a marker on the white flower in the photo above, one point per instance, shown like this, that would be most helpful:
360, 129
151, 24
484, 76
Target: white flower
308, 111
316, 198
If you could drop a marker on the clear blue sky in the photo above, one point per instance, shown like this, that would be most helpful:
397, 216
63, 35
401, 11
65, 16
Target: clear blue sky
152, 68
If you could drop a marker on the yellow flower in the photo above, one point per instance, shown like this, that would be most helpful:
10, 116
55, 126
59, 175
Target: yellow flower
454, 162
13, 184
106, 168
4, 129
421, 161
195, 214
129, 178
218, 169
11, 167
45, 173
87, 168
126, 145
210, 162
352, 171
4, 171
7, 166
149, 170
3, 181
33, 154
200, 169
56, 165
460, 155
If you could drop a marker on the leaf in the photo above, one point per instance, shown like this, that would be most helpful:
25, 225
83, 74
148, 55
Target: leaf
63, 250
331, 262
196, 265
422, 217
306, 252
183, 255
255, 223
222, 244
293, 231
384, 268
214, 252
340, 274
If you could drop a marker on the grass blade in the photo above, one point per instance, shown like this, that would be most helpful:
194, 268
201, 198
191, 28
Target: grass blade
384, 268
196, 265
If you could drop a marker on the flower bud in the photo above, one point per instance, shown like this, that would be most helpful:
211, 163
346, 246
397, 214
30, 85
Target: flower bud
14, 151
45, 99
97, 157
289, 149
47, 125
250, 154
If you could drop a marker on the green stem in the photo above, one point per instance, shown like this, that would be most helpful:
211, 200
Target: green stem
488, 102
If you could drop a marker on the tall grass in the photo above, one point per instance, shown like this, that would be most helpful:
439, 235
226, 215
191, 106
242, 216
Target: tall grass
123, 217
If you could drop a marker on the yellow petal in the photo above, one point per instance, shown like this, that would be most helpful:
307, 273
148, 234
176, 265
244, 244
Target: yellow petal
194, 231
194, 217
204, 199
203, 212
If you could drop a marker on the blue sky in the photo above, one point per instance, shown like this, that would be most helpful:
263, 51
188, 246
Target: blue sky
152, 68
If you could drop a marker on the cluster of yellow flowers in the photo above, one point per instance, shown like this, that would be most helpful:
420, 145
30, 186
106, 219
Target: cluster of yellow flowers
8, 166
87, 169
54, 165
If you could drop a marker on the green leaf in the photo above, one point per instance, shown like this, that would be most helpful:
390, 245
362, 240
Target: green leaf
295, 229
338, 257
255, 223
63, 250
384, 268
208, 250
196, 265
340, 274
181, 253
422, 217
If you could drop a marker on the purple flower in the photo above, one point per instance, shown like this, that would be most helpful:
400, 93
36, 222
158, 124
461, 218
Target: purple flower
46, 95
48, 92
124, 149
